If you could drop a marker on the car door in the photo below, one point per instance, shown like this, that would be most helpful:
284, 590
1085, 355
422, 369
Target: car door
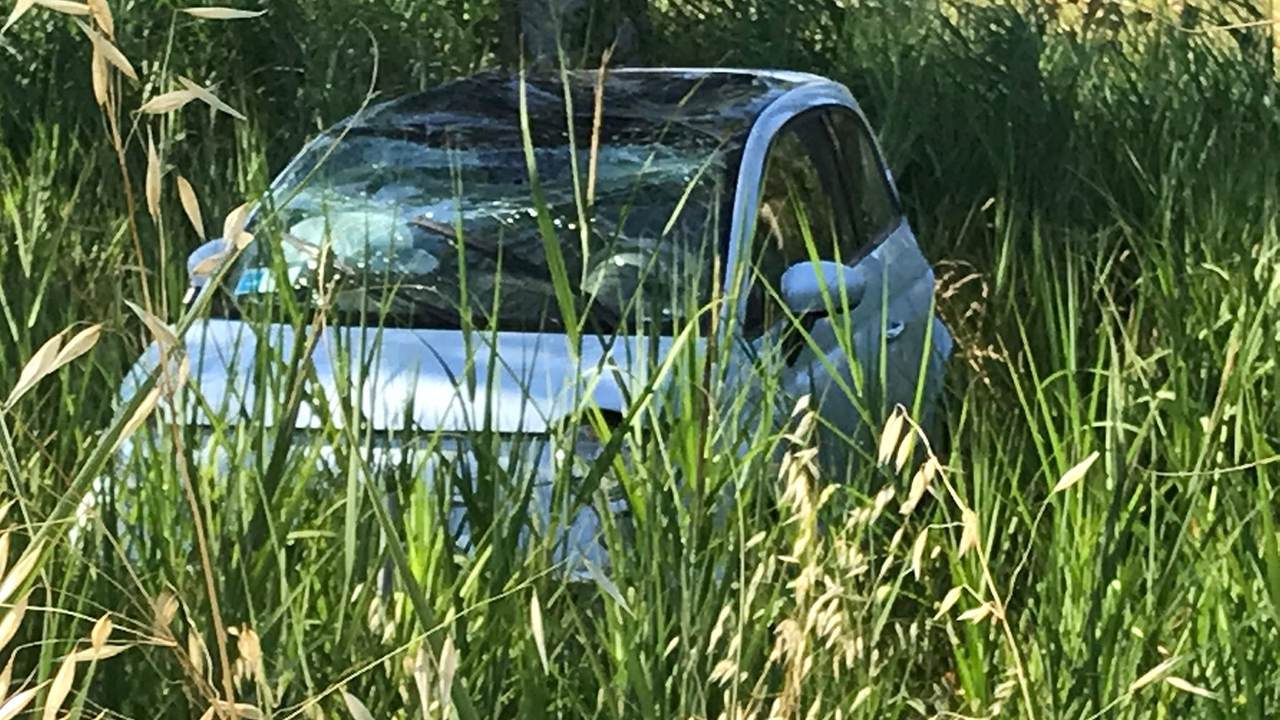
826, 195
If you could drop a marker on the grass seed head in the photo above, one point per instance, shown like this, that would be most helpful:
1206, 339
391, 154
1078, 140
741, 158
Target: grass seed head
14, 706
101, 13
59, 688
949, 600
109, 51
1075, 474
99, 75
448, 668
21, 569
6, 676
154, 174
539, 636
101, 631
164, 609
20, 8
39, 366
191, 205
969, 534
66, 7
917, 552
890, 436
11, 622
205, 96
905, 448
167, 102
1152, 675
222, 13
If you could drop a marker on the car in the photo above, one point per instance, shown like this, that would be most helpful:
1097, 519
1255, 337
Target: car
510, 246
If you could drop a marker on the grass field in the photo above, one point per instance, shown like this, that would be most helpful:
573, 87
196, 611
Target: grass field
1098, 187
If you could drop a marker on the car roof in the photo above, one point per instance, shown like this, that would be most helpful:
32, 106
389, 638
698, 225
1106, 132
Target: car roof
634, 103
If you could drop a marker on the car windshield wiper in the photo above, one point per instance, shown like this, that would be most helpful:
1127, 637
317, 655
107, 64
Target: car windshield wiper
401, 303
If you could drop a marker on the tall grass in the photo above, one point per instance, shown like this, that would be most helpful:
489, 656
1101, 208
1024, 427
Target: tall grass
1099, 193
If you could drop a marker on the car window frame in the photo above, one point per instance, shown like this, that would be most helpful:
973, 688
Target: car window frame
812, 132
819, 93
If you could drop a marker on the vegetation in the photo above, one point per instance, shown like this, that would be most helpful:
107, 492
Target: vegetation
1097, 185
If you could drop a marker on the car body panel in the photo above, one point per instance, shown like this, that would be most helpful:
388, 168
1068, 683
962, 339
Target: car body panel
892, 332
425, 380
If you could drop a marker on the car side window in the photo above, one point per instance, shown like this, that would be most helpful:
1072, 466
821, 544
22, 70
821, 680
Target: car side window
800, 209
873, 212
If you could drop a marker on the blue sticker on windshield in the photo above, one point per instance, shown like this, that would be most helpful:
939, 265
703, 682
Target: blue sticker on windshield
261, 281
254, 280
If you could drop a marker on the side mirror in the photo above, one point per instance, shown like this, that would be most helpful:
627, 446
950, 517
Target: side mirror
809, 287
203, 262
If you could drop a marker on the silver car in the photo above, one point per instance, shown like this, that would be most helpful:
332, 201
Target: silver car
466, 293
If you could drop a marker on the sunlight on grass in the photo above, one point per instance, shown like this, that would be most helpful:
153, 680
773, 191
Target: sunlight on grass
1089, 532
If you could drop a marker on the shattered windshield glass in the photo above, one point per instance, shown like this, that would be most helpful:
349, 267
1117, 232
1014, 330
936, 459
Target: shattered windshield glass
428, 228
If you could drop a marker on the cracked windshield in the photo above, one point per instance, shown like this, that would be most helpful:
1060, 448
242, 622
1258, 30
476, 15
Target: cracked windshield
415, 231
